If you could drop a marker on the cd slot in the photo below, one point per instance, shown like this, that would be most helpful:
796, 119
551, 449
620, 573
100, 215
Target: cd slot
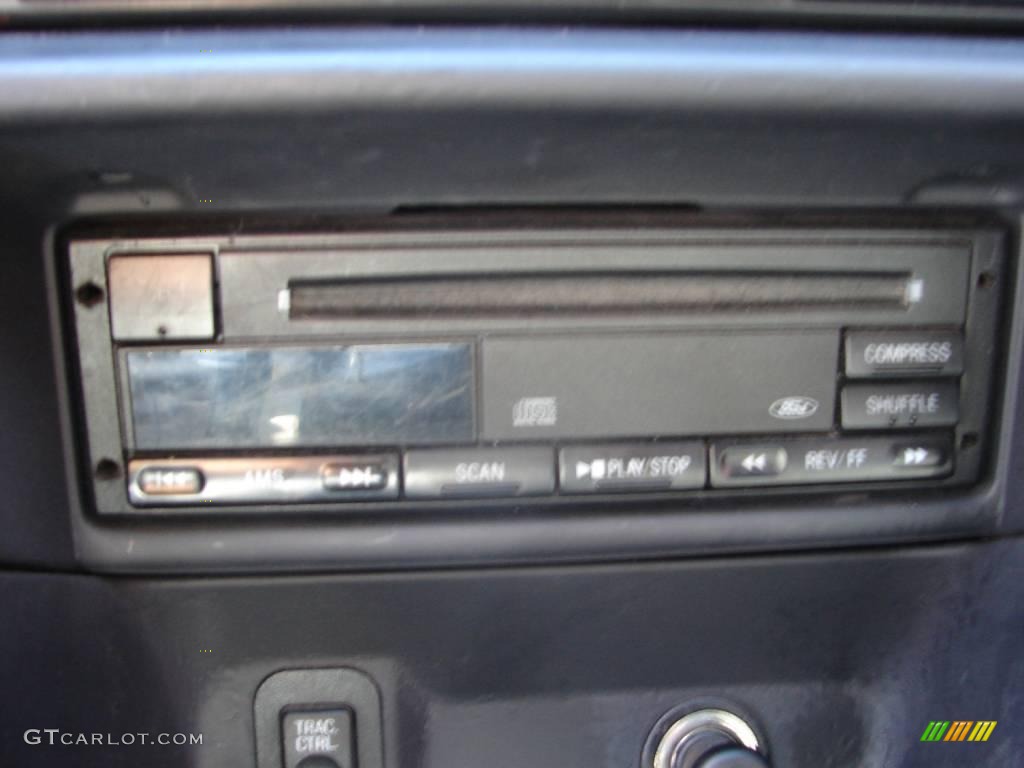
595, 294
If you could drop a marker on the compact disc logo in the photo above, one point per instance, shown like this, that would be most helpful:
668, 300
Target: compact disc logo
535, 412
795, 407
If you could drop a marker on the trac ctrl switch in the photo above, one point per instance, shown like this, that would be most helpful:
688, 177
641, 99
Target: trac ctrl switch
321, 738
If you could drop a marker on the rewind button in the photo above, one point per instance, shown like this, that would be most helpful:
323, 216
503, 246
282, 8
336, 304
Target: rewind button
752, 461
755, 463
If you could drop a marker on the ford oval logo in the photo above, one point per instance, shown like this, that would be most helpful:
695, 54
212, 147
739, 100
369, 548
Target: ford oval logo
793, 407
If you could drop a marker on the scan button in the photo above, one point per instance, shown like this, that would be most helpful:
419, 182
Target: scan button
478, 472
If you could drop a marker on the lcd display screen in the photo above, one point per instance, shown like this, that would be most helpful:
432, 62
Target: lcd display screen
274, 397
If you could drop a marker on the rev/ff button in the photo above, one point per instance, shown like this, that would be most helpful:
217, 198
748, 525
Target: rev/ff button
752, 461
914, 455
832, 460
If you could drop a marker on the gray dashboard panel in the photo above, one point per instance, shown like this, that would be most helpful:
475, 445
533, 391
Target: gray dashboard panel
371, 119
840, 658
362, 121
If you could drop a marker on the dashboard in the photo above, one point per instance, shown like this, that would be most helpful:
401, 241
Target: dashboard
514, 385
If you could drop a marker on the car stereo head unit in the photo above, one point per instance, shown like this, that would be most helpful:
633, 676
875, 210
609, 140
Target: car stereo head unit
386, 369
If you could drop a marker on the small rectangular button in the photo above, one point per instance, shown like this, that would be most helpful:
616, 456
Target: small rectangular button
632, 467
805, 461
170, 481
325, 734
749, 460
355, 475
476, 472
269, 479
904, 404
917, 453
161, 297
895, 353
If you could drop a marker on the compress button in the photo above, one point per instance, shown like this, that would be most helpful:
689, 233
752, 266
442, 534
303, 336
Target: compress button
904, 353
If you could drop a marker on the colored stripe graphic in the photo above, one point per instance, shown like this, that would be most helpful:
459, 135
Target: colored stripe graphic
982, 730
958, 730
935, 730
